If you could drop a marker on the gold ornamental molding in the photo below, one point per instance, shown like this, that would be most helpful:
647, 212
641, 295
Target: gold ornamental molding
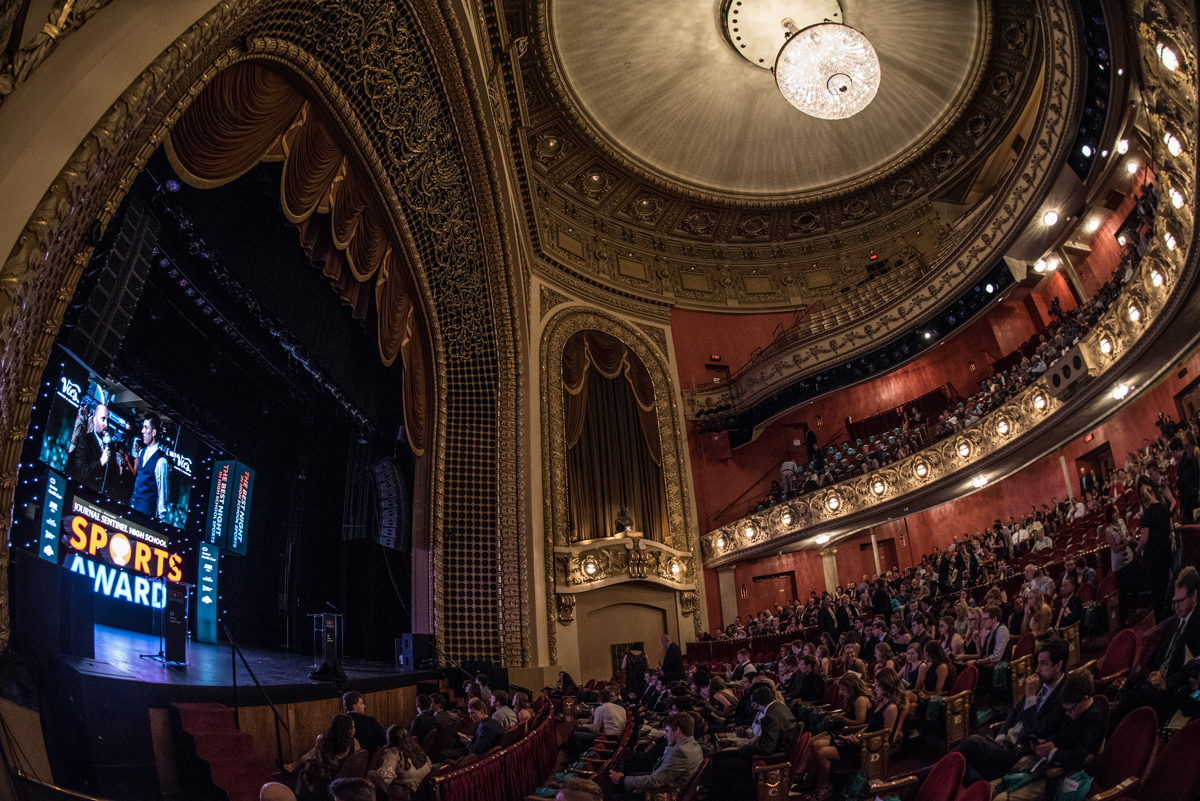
616, 560
64, 18
1156, 288
560, 326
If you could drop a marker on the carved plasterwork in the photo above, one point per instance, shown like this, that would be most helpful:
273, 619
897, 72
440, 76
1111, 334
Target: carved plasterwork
565, 603
559, 328
65, 17
658, 335
602, 563
548, 299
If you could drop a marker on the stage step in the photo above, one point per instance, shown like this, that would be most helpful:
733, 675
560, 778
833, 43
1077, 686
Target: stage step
220, 752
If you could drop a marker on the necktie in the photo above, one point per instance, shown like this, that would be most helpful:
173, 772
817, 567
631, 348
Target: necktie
1175, 638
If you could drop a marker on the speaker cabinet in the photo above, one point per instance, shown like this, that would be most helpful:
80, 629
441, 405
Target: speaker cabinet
1067, 373
416, 652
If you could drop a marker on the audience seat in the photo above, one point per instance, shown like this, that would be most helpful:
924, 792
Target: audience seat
958, 705
1127, 752
942, 783
979, 791
355, 765
1111, 669
774, 779
685, 793
1174, 774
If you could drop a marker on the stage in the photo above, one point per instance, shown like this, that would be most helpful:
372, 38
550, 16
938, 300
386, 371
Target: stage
208, 675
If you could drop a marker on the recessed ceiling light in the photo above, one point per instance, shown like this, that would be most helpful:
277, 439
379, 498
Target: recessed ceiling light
822, 539
928, 335
1094, 224
1121, 392
1050, 217
1131, 167
1123, 146
1052, 265
990, 289
1040, 266
979, 482
1087, 150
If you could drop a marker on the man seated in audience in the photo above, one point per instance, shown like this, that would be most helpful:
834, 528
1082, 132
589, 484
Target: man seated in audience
807, 683
678, 764
502, 713
744, 666
1039, 716
1043, 542
920, 625
1164, 679
1083, 574
1070, 608
426, 719
607, 719
487, 731
995, 644
774, 722
577, 789
352, 789
367, 731
485, 692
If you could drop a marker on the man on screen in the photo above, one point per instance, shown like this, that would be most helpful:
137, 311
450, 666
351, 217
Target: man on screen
89, 460
150, 484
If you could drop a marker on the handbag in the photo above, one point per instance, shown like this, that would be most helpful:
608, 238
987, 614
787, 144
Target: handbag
1001, 678
1074, 787
934, 710
856, 788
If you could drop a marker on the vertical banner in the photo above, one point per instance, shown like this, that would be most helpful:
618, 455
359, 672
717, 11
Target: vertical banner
206, 593
175, 634
239, 508
52, 507
219, 497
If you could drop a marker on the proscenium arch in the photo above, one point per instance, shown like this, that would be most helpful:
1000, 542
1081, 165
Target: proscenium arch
40, 275
559, 328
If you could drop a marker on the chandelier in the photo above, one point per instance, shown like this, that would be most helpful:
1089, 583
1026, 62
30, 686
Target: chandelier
825, 68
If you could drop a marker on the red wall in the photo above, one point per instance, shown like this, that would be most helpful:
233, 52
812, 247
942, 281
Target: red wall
805, 567
1097, 267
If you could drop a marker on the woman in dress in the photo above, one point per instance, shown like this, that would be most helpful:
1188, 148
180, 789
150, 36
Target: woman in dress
1121, 554
952, 641
633, 665
881, 715
404, 763
521, 705
321, 764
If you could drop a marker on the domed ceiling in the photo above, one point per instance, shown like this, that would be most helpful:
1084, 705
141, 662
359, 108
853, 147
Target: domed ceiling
663, 170
664, 87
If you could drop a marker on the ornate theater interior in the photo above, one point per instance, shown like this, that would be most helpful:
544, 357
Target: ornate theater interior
510, 335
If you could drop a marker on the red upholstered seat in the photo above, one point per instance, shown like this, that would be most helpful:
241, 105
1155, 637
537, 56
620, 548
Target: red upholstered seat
1108, 585
944, 780
1176, 771
355, 765
1024, 646
966, 680
1128, 750
1119, 654
979, 791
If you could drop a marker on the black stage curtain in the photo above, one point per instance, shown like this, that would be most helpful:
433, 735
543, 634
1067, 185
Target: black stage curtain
610, 465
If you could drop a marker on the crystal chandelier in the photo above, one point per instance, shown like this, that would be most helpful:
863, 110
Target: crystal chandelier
825, 68
829, 70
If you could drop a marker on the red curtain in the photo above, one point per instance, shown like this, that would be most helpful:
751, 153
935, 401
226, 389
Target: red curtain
253, 112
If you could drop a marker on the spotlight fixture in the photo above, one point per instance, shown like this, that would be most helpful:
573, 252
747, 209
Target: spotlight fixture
1122, 239
1052, 265
1106, 345
1121, 392
824, 68
1104, 153
1131, 167
1050, 217
928, 335
1040, 267
979, 482
1123, 146
1087, 150
1168, 57
990, 289
1094, 224
822, 539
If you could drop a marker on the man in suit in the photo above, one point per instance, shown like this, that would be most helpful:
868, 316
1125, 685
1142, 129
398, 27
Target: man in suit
1082, 733
920, 626
487, 731
679, 762
1087, 481
1039, 716
89, 460
775, 724
826, 621
807, 683
425, 721
367, 731
744, 666
845, 620
881, 601
1070, 608
672, 664
1178, 644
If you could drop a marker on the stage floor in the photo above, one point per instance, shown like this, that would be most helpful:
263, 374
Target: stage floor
118, 657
